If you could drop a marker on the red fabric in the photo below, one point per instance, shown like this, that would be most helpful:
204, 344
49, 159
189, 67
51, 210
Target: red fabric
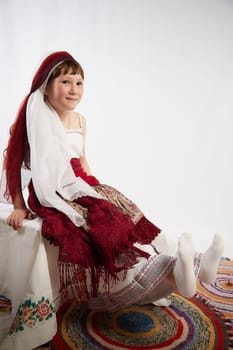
79, 171
17, 144
111, 235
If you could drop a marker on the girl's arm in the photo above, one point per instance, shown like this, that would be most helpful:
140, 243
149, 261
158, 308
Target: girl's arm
19, 213
83, 159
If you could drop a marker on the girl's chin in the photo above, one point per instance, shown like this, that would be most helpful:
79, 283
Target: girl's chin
70, 107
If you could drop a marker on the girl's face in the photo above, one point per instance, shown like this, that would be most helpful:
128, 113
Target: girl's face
65, 92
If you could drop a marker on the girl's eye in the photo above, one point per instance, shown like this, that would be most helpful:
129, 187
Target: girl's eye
65, 82
79, 83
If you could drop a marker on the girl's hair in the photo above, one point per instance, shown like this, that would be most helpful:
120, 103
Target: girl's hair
64, 68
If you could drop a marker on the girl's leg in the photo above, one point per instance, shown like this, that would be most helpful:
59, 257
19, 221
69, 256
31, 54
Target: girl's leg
184, 274
184, 270
210, 260
182, 277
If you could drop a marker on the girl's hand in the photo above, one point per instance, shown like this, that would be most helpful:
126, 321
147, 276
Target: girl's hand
16, 218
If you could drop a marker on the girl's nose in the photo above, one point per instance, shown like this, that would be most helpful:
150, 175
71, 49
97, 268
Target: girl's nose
73, 89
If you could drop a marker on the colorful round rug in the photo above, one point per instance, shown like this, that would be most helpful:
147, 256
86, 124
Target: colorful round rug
185, 324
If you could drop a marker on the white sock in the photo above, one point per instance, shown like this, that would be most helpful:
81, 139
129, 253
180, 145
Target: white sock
184, 268
210, 260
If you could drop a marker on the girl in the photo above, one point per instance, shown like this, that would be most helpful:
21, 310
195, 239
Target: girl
106, 258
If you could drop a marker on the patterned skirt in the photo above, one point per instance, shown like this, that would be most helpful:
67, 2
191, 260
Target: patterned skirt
145, 283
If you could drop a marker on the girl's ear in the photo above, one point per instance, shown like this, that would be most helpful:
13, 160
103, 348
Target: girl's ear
45, 95
46, 91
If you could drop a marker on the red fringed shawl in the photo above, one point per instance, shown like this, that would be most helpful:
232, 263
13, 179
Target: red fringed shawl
104, 249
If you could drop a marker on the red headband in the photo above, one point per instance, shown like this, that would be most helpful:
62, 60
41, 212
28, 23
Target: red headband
17, 144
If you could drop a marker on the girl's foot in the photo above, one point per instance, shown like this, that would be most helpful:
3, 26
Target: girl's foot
184, 269
210, 260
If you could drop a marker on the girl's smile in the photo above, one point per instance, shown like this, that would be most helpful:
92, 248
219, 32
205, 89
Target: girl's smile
65, 92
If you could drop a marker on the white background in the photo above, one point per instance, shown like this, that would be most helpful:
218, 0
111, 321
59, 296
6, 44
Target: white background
158, 98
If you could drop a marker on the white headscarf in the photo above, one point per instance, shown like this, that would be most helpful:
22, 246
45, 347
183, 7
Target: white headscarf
52, 174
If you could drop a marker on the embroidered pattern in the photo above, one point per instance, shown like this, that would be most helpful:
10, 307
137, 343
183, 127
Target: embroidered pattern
31, 312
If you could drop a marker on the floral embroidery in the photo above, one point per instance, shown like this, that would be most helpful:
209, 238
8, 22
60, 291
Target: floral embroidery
31, 312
